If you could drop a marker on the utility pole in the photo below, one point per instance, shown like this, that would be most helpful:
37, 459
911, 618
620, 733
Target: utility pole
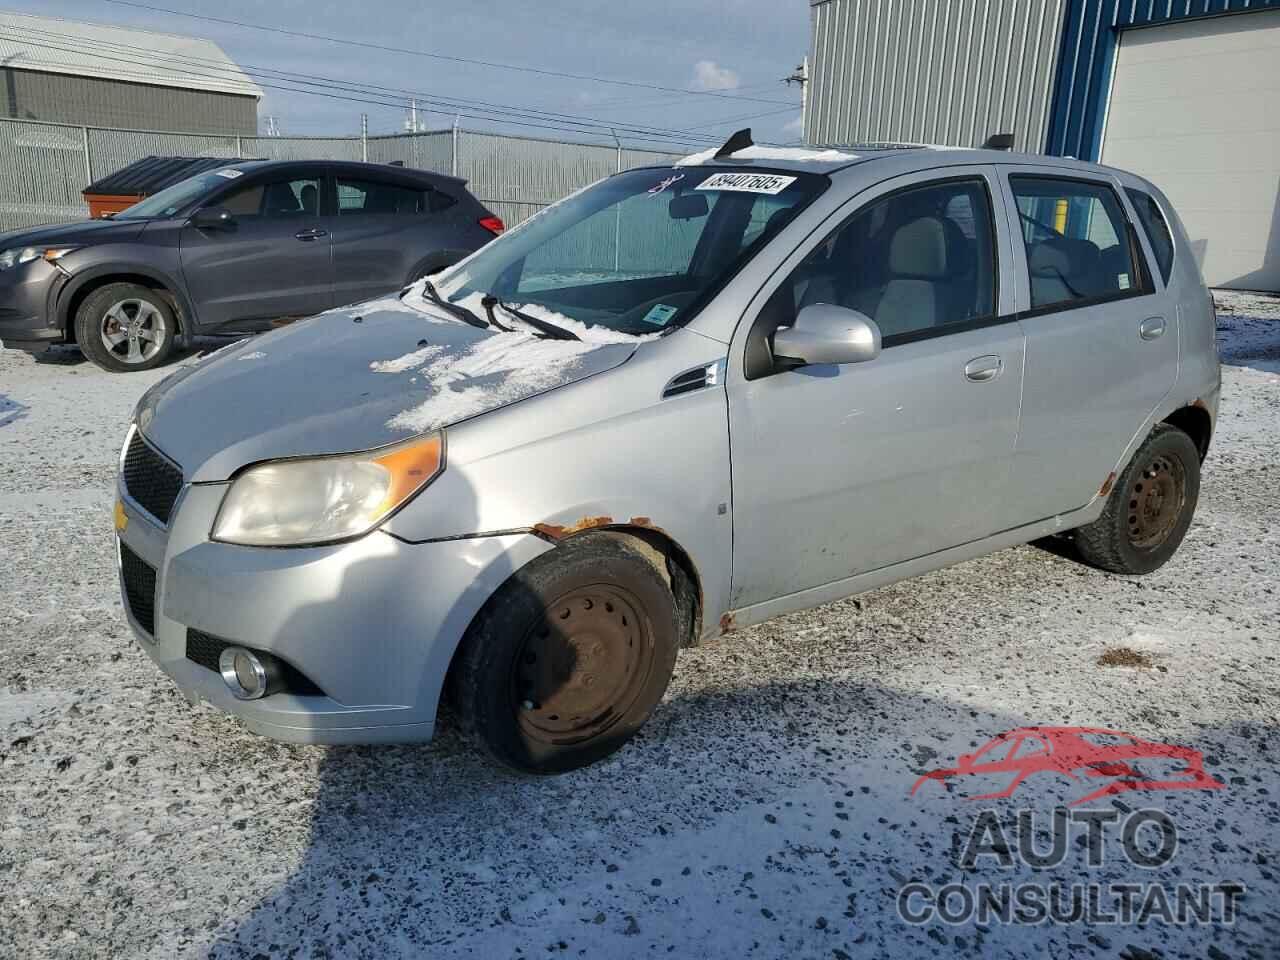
364, 137
801, 76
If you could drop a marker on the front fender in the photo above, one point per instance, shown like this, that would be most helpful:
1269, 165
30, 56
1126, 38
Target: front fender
89, 275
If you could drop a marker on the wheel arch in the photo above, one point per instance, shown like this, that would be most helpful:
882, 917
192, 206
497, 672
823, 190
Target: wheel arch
83, 286
1195, 422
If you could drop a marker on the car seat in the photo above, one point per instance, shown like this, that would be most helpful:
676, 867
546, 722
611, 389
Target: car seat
310, 199
918, 291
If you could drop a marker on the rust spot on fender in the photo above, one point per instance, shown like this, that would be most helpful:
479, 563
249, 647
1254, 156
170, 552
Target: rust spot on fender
641, 522
1197, 402
727, 624
1107, 484
558, 531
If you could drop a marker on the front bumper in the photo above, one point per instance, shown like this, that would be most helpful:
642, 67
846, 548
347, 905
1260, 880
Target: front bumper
373, 623
26, 320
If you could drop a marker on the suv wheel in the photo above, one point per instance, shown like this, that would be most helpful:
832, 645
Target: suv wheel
1149, 509
569, 658
123, 327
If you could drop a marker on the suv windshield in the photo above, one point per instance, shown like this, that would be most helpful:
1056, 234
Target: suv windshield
638, 252
172, 199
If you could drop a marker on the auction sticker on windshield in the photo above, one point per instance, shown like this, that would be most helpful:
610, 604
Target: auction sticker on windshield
229, 174
770, 183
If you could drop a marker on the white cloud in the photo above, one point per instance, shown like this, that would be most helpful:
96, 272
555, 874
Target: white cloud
709, 75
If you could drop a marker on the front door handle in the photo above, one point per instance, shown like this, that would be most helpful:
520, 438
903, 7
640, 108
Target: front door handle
313, 234
983, 369
1151, 328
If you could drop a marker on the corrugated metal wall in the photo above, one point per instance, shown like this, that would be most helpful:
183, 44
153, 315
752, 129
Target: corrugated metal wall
1088, 51
947, 73
43, 167
61, 98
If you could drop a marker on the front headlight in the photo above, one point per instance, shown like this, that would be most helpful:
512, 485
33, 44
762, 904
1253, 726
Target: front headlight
293, 503
17, 256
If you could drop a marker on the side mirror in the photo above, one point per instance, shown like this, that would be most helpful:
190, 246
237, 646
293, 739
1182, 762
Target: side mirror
825, 333
213, 218
690, 206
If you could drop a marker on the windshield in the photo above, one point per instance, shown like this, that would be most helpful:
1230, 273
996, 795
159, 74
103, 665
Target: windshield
639, 252
172, 199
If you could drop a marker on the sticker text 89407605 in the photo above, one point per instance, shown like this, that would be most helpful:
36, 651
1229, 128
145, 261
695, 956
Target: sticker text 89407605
770, 183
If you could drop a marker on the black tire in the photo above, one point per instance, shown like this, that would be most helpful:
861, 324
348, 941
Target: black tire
1149, 508
569, 658
138, 318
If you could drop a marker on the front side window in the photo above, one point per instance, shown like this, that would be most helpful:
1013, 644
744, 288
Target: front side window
1157, 229
1076, 240
374, 197
640, 251
277, 199
171, 199
916, 262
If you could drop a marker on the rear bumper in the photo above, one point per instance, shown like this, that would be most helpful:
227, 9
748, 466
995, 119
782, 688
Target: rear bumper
373, 623
26, 322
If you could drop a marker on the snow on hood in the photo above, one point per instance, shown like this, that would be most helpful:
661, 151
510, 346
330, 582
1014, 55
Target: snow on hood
794, 154
354, 379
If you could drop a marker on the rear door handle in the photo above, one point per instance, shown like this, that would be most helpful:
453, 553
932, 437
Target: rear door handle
983, 369
313, 234
1151, 328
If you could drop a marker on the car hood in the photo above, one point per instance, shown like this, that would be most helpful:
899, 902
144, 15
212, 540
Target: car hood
353, 379
82, 231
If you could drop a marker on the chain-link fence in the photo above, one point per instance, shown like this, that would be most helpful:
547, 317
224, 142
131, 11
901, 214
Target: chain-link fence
45, 166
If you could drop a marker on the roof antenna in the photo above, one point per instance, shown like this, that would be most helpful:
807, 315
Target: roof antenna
739, 141
999, 141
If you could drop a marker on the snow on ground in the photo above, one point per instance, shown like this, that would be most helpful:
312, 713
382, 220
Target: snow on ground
764, 812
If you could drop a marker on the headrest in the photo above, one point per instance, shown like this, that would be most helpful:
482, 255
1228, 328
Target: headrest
919, 249
1048, 260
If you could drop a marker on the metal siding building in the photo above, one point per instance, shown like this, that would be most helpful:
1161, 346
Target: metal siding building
1049, 71
61, 71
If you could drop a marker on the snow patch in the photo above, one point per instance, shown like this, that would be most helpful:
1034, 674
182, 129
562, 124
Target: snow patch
256, 355
410, 361
793, 154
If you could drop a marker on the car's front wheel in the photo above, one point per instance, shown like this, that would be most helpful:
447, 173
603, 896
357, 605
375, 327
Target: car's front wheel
569, 658
1149, 509
124, 327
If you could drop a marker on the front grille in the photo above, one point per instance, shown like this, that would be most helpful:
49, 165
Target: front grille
152, 481
139, 588
205, 650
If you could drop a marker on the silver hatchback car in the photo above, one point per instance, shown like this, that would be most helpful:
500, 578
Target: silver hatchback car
679, 402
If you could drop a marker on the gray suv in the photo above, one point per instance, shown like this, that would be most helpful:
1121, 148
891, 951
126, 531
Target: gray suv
678, 403
232, 250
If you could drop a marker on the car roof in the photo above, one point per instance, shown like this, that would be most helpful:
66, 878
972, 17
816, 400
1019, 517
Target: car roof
853, 159
352, 167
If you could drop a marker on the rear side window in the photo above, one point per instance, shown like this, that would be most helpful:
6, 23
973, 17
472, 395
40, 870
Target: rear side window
918, 262
1157, 229
381, 197
1076, 238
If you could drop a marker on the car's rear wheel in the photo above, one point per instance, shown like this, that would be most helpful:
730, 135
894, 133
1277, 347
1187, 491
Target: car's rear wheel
124, 327
569, 658
1149, 509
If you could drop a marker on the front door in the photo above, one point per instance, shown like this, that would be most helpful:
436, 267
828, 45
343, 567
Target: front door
839, 470
1102, 339
274, 261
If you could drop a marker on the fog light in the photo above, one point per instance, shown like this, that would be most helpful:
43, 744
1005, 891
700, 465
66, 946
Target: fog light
243, 672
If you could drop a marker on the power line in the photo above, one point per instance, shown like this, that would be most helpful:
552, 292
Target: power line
448, 106
339, 90
491, 64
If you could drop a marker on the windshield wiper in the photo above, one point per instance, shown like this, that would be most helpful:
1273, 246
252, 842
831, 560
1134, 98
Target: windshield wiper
453, 309
549, 329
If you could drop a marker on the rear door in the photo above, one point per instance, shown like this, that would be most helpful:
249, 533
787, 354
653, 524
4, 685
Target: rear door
377, 230
272, 262
1102, 339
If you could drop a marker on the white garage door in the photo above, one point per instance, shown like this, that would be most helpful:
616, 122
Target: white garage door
1195, 108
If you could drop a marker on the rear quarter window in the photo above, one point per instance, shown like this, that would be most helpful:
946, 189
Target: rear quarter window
1157, 229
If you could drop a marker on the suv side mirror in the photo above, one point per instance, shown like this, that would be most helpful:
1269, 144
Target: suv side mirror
213, 218
825, 333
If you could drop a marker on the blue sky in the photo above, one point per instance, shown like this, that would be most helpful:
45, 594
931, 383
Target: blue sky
739, 49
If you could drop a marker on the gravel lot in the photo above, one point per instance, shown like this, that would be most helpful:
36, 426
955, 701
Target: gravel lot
764, 812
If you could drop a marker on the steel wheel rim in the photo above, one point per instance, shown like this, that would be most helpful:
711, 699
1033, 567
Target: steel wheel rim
1155, 501
133, 330
581, 665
